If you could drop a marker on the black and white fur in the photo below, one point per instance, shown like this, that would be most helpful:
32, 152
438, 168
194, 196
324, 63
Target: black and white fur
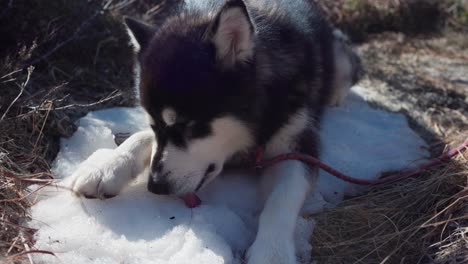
218, 79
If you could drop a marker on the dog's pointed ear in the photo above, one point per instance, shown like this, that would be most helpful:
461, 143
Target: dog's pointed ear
233, 33
140, 33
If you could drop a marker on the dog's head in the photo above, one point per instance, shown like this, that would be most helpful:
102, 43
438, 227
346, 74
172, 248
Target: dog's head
197, 71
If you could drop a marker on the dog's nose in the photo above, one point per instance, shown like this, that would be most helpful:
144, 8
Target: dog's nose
158, 187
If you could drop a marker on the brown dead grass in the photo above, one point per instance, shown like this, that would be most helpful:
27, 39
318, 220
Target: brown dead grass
414, 221
57, 62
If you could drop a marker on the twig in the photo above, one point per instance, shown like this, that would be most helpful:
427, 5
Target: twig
26, 246
12, 245
33, 251
16, 225
111, 96
9, 80
155, 8
11, 73
107, 4
22, 197
22, 86
27, 177
119, 5
445, 221
54, 90
42, 127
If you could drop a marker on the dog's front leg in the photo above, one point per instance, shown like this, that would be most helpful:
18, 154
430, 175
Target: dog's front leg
290, 182
106, 172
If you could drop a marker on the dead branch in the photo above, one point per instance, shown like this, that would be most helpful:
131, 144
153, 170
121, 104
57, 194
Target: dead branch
22, 86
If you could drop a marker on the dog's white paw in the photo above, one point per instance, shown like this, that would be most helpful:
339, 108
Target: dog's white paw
272, 251
103, 175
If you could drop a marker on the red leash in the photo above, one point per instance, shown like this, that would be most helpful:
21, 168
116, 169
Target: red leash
191, 199
389, 179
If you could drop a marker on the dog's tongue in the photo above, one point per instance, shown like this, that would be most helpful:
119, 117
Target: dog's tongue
191, 200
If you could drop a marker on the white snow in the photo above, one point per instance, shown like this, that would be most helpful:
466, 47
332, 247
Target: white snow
140, 227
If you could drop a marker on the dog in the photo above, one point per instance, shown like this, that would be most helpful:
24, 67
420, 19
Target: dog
218, 79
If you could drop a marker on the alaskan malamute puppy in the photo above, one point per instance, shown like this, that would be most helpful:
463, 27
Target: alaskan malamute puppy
219, 79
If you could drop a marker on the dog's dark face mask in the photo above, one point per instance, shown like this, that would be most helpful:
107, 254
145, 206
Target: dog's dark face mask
194, 73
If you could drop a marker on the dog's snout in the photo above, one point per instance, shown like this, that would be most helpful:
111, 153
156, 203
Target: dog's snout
160, 187
210, 169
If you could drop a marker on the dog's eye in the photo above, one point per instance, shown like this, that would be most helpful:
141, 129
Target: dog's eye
188, 129
155, 128
181, 120
182, 129
210, 168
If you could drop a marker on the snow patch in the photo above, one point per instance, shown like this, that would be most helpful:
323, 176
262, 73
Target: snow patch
140, 227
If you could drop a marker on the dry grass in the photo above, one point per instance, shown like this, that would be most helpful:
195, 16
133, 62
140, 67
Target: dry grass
418, 220
56, 63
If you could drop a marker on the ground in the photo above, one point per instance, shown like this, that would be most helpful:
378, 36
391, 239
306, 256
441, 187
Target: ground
426, 78
57, 62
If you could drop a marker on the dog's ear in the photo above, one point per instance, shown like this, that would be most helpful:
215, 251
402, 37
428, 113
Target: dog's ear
140, 33
233, 33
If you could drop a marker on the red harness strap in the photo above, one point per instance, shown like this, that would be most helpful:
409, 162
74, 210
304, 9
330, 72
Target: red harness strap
260, 163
